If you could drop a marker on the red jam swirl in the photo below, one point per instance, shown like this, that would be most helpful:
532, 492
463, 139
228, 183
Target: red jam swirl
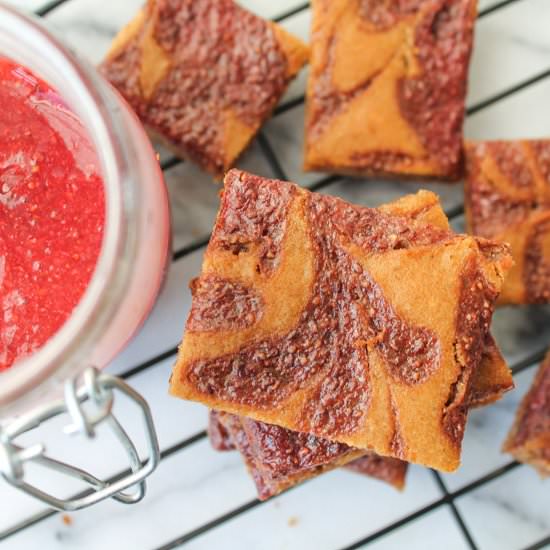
433, 102
286, 453
52, 212
220, 304
492, 211
512, 163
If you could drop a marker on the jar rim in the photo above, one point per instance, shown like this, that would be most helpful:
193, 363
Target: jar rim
26, 40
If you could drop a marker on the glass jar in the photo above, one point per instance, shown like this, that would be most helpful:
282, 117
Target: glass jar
130, 268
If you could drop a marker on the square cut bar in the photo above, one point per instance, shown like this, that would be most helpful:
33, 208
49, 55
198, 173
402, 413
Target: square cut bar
350, 323
387, 87
203, 76
269, 450
508, 199
529, 438
307, 454
278, 458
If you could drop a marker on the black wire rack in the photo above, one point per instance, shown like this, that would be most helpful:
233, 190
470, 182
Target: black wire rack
449, 497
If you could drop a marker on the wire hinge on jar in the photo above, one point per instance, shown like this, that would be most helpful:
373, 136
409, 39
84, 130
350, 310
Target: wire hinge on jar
97, 390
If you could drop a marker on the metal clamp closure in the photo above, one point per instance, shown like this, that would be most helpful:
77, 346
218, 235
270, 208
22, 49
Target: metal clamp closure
97, 393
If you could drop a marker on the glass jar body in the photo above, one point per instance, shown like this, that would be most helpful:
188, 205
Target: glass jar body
136, 246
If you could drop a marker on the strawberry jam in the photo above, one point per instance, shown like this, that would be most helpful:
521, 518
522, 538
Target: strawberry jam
52, 212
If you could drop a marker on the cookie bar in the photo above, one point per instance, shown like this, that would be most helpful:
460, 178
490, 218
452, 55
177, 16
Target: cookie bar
529, 439
508, 199
387, 86
272, 449
326, 318
278, 459
203, 76
489, 382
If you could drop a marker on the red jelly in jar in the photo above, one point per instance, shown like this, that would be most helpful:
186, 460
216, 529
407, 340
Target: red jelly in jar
52, 212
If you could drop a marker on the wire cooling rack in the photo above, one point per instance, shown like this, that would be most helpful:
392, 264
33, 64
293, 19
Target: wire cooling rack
525, 360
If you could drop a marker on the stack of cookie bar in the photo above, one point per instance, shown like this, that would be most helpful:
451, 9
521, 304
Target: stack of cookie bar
324, 334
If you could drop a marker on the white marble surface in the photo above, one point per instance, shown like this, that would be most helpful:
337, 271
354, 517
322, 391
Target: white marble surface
28, 5
196, 485
510, 512
330, 512
440, 525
